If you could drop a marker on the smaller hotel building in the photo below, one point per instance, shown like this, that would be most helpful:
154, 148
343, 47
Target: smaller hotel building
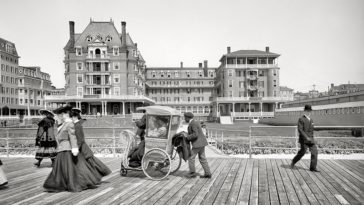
247, 85
187, 89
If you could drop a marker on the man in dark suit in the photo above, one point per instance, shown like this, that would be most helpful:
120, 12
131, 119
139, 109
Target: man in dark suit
198, 141
305, 129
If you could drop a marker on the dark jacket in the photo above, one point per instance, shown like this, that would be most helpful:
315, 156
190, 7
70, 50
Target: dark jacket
195, 135
45, 134
305, 130
1, 163
183, 146
83, 147
141, 124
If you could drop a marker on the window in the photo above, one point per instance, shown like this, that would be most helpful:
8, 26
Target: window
135, 67
176, 74
116, 51
79, 66
230, 93
79, 78
153, 74
230, 83
200, 73
230, 72
261, 72
188, 74
274, 72
78, 51
108, 38
275, 83
116, 66
168, 74
116, 91
79, 91
89, 38
116, 78
241, 84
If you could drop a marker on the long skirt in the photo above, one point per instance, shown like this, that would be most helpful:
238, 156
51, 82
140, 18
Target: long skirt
64, 175
3, 179
99, 168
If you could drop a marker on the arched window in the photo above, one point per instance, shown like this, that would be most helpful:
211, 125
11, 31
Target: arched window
89, 38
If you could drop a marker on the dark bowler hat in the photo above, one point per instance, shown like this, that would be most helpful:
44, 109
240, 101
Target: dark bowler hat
56, 111
45, 112
188, 114
308, 108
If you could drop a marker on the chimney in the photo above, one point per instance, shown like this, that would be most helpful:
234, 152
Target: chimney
72, 33
181, 64
123, 35
228, 49
267, 49
205, 68
200, 65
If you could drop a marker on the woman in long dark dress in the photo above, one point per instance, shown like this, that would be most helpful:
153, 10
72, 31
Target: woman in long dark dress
45, 141
91, 169
64, 175
3, 179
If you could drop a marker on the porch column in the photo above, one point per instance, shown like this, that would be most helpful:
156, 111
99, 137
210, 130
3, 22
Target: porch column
89, 109
105, 107
102, 107
261, 108
249, 110
1, 111
276, 106
123, 108
234, 109
217, 110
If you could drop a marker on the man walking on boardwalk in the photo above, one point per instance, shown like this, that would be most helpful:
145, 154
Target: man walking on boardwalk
198, 141
305, 129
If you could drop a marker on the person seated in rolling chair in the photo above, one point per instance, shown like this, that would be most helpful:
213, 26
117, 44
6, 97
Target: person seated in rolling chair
135, 155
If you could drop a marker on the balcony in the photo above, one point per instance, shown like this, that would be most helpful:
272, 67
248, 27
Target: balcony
251, 65
252, 87
252, 114
252, 77
183, 103
97, 56
251, 99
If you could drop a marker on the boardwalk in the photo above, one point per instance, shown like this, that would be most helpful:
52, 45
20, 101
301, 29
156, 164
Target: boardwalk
235, 181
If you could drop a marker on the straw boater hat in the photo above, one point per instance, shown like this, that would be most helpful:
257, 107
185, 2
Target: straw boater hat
45, 111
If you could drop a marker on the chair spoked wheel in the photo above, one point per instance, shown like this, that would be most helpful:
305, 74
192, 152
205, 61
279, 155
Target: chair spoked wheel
156, 164
123, 171
175, 161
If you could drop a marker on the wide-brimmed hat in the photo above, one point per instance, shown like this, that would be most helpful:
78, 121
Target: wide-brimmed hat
307, 108
76, 110
45, 111
64, 109
189, 115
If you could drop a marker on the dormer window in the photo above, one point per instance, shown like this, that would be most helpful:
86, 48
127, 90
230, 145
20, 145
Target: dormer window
108, 38
200, 73
188, 74
78, 51
162, 74
168, 74
176, 74
89, 38
153, 74
116, 51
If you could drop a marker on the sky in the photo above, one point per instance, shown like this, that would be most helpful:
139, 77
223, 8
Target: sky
320, 41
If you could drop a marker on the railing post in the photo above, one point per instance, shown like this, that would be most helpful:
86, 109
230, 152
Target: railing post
7, 142
114, 141
250, 142
222, 142
296, 138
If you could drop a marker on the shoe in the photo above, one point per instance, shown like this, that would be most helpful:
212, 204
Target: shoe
292, 165
3, 184
191, 175
208, 176
314, 170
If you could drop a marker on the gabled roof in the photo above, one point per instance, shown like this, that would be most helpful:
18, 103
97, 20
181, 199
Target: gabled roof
250, 53
103, 29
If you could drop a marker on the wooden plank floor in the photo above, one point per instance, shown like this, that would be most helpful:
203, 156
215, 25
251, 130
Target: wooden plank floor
234, 181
